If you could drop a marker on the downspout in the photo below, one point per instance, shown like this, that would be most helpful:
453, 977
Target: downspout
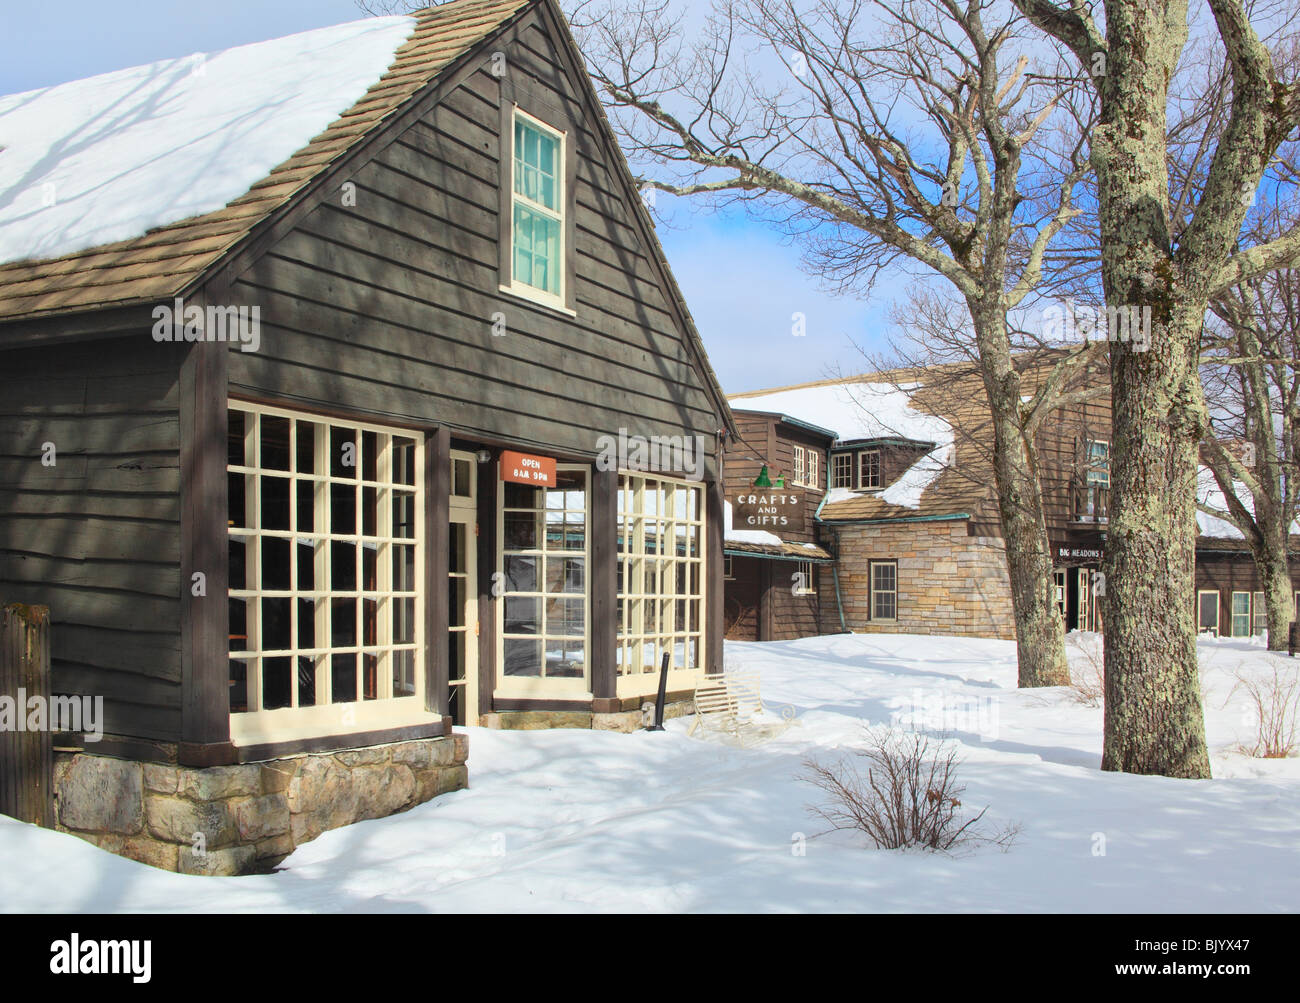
835, 565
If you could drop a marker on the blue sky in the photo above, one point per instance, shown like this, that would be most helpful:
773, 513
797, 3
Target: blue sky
742, 281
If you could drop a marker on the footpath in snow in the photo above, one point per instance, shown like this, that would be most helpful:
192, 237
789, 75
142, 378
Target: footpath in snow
588, 821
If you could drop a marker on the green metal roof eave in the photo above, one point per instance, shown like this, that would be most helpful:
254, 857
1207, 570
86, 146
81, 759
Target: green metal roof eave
885, 522
812, 559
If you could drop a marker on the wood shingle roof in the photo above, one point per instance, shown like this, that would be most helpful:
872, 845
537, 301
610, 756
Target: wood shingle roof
167, 260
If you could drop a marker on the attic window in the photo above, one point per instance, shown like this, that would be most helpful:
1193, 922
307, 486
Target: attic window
842, 470
869, 469
537, 209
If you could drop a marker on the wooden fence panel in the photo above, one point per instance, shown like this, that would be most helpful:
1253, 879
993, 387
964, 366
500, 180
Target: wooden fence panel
26, 757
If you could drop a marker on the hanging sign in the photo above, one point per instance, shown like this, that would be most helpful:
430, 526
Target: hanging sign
521, 468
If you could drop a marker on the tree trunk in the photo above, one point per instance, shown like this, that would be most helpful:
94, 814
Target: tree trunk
1040, 629
1279, 600
1154, 722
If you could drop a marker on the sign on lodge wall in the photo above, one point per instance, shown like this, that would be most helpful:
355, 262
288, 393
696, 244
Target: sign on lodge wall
1076, 553
521, 468
769, 509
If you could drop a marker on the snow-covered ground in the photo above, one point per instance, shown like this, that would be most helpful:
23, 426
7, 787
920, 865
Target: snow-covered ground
584, 821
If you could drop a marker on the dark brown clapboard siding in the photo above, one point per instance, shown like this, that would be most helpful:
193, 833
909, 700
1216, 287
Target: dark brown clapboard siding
96, 537
386, 307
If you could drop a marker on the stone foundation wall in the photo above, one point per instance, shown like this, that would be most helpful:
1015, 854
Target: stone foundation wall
227, 820
949, 583
624, 722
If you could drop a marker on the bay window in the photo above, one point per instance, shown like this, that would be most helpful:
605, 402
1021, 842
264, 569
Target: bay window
660, 574
325, 559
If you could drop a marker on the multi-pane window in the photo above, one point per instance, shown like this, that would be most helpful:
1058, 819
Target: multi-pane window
728, 568
538, 206
324, 561
812, 468
799, 471
869, 469
1207, 612
544, 578
660, 573
803, 579
1260, 625
1241, 614
1098, 472
842, 470
884, 590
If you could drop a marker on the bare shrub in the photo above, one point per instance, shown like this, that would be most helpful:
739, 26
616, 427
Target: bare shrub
909, 795
1086, 655
1275, 703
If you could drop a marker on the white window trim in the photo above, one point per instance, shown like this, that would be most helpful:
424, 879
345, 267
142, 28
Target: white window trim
542, 687
813, 472
1088, 469
871, 590
324, 719
523, 290
805, 568
799, 469
1258, 614
1218, 612
630, 632
1233, 614
852, 460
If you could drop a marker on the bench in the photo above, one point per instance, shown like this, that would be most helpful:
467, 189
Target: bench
732, 704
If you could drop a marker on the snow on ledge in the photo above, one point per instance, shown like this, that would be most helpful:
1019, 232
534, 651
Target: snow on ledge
110, 157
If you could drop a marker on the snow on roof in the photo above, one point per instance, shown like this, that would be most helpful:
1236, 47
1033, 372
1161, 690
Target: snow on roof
107, 158
1208, 493
864, 410
854, 410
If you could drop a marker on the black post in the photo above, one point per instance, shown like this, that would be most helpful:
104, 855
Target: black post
663, 694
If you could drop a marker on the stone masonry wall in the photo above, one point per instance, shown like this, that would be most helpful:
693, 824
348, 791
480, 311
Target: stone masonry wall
227, 820
949, 583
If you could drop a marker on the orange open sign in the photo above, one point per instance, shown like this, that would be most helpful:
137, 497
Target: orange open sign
522, 468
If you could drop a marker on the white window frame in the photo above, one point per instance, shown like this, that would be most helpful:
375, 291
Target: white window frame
871, 578
636, 676
1202, 628
326, 718
862, 480
799, 457
516, 287
1094, 477
813, 472
809, 587
557, 687
848, 465
1258, 614
1234, 615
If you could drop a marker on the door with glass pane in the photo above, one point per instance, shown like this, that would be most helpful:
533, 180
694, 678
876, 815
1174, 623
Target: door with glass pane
462, 637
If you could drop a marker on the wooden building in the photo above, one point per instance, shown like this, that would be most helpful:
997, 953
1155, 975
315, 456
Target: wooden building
908, 514
402, 509
776, 573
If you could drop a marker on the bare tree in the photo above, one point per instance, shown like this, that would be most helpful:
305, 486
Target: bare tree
1171, 257
1251, 375
879, 133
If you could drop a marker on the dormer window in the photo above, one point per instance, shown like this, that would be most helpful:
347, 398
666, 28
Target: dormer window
842, 470
538, 200
869, 470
